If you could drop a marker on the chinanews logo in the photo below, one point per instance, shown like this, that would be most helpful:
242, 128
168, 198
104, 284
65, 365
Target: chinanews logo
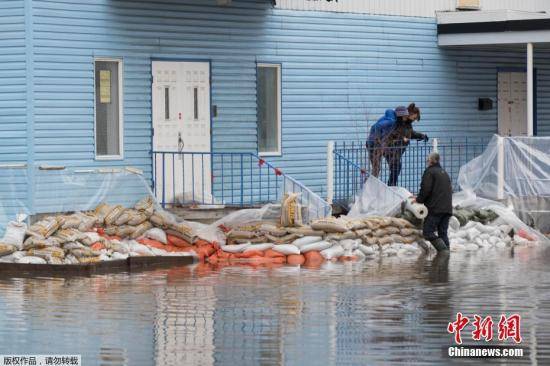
508, 336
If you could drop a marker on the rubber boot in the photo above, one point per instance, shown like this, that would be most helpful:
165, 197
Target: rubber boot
439, 245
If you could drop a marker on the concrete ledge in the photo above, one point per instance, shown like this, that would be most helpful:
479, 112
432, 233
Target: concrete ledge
132, 264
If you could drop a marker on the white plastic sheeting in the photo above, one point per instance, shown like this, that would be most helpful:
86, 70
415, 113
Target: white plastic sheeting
516, 172
377, 199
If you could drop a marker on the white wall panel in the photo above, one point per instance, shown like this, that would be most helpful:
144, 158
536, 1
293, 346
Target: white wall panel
416, 8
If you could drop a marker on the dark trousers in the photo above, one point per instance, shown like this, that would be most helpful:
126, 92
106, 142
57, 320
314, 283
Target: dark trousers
393, 159
437, 223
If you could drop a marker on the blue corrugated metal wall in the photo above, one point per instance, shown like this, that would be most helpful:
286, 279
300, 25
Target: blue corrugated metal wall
13, 110
338, 71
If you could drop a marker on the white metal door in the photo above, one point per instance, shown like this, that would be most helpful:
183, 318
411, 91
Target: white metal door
181, 124
512, 103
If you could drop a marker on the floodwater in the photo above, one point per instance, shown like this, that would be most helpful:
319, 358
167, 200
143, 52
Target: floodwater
390, 311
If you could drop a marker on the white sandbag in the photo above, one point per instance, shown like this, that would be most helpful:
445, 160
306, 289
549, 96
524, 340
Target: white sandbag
159, 252
493, 240
506, 229
286, 249
119, 256
478, 241
319, 246
15, 234
237, 248
518, 240
13, 257
454, 224
139, 248
31, 260
462, 233
359, 254
471, 247
104, 257
419, 210
389, 252
457, 247
500, 245
484, 236
473, 233
335, 251
367, 250
156, 234
470, 224
260, 247
349, 244
306, 240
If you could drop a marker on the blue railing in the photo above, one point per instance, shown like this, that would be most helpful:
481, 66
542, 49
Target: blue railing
225, 178
353, 163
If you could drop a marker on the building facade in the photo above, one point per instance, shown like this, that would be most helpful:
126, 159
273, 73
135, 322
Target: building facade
102, 83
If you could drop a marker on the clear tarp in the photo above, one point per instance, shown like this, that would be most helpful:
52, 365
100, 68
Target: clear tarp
377, 199
516, 172
13, 193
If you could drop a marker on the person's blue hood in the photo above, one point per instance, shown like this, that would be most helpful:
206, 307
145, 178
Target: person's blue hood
390, 114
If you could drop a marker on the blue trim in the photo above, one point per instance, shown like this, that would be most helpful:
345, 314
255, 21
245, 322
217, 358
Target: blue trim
29, 59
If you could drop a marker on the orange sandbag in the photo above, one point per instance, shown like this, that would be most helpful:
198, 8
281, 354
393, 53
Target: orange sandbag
270, 253
525, 235
347, 258
205, 251
201, 242
97, 246
174, 240
101, 231
151, 243
314, 257
250, 254
213, 258
295, 259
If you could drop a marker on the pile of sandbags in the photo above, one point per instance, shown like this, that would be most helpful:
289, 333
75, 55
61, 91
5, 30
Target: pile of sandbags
106, 233
324, 239
475, 235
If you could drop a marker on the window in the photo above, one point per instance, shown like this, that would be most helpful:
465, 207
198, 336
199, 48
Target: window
269, 109
108, 109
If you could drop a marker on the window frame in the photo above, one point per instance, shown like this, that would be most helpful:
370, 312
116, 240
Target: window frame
279, 151
120, 156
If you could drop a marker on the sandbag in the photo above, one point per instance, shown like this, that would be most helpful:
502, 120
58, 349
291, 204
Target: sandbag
371, 240
358, 254
31, 260
305, 231
295, 259
68, 235
380, 233
73, 245
372, 223
291, 210
317, 247
125, 231
282, 240
333, 252
184, 231
45, 227
286, 249
385, 240
12, 258
273, 230
306, 240
35, 242
101, 211
363, 232
238, 248
259, 247
162, 219
15, 234
396, 238
341, 236
355, 224
366, 250
454, 224
330, 225
237, 234
146, 206
401, 223
141, 229
89, 260
47, 253
7, 249
256, 240
83, 252
115, 213
156, 234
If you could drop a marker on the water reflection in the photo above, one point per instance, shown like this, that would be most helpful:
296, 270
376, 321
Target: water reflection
388, 311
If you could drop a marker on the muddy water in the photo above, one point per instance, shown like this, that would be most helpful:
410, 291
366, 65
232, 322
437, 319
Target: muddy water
393, 311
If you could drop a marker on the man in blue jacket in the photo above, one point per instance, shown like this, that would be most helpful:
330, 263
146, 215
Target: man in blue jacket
390, 137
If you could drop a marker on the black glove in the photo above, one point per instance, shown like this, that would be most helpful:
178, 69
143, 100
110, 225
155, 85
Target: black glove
425, 138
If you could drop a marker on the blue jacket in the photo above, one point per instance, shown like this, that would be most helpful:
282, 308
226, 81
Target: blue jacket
382, 128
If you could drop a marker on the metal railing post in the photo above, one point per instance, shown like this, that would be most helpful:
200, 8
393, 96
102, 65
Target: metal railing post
330, 171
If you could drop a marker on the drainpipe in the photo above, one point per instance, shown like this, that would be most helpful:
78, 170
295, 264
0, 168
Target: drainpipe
530, 91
